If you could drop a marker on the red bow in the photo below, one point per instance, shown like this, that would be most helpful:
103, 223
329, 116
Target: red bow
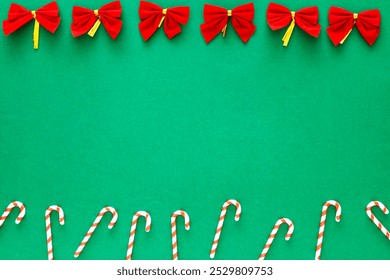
86, 20
47, 16
216, 19
279, 16
152, 16
341, 23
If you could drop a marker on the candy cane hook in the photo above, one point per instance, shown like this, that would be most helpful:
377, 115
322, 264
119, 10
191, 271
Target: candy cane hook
322, 224
274, 231
175, 254
94, 225
133, 229
374, 219
9, 208
49, 238
220, 223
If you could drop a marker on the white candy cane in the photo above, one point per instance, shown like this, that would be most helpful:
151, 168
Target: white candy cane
134, 228
374, 219
9, 208
49, 239
322, 224
175, 254
273, 234
94, 225
220, 223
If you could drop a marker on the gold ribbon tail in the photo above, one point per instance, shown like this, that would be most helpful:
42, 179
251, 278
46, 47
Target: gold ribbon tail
224, 31
355, 16
95, 27
289, 31
164, 12
346, 36
36, 35
161, 21
229, 14
36, 31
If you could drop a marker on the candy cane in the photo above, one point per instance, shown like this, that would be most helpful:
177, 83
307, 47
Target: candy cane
133, 229
9, 208
322, 224
175, 254
374, 219
94, 225
273, 234
220, 223
49, 238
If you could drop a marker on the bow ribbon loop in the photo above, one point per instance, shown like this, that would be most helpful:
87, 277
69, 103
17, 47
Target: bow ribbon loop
153, 17
341, 23
88, 21
216, 20
47, 16
279, 16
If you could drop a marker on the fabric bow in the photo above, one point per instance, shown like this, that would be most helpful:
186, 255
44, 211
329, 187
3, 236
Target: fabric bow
47, 16
341, 23
153, 16
88, 21
279, 16
216, 19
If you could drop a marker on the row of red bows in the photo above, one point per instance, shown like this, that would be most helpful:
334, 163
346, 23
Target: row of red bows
215, 21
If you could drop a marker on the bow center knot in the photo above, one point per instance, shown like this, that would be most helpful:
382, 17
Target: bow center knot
96, 12
34, 14
293, 15
355, 16
229, 13
164, 11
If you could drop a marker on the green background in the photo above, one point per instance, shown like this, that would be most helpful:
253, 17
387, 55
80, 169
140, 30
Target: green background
178, 124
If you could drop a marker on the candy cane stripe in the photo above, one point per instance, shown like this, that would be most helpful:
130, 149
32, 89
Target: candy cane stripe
372, 217
94, 225
322, 224
220, 223
133, 229
177, 213
274, 231
49, 238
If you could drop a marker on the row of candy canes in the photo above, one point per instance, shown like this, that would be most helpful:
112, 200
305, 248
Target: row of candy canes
187, 225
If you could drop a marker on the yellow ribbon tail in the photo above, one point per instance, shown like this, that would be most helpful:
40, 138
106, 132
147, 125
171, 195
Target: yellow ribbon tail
36, 35
287, 35
346, 36
224, 30
94, 28
161, 21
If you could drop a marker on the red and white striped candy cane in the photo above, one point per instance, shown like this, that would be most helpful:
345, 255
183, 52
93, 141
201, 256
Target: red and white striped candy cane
273, 234
175, 254
148, 224
374, 219
49, 238
220, 223
9, 208
322, 224
94, 225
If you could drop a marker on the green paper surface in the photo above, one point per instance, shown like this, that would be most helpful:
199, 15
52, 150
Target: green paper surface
176, 124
